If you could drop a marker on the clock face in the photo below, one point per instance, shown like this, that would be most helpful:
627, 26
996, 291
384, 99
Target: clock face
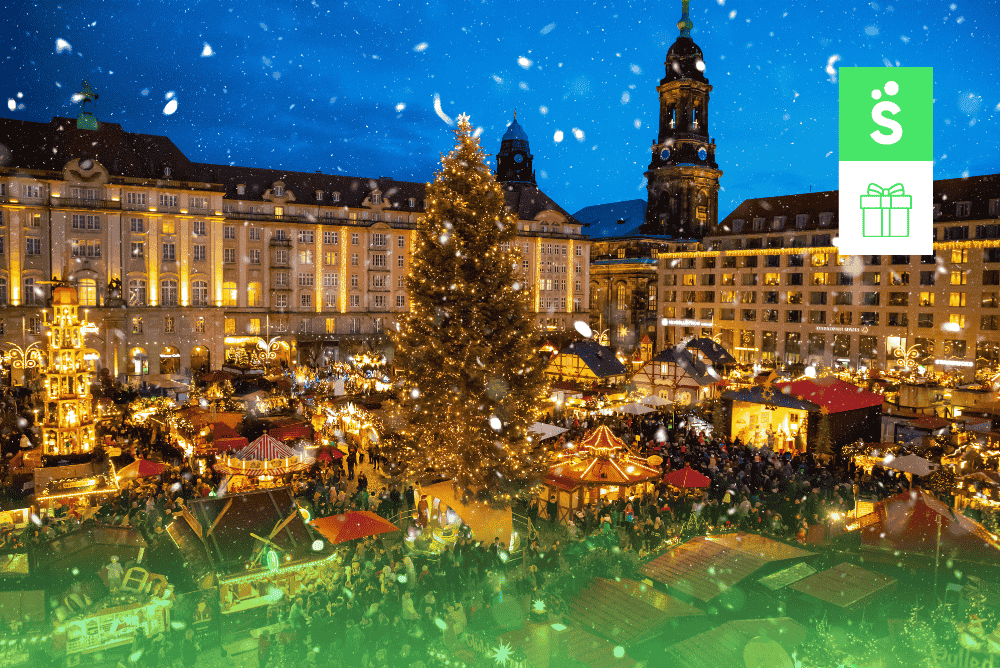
518, 158
702, 153
665, 154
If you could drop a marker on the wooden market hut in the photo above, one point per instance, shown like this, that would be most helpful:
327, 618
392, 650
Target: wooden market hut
600, 465
796, 408
844, 589
685, 373
587, 362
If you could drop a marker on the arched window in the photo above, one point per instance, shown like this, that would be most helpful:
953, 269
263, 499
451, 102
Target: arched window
253, 294
168, 292
229, 297
137, 292
86, 290
199, 293
695, 115
671, 117
620, 301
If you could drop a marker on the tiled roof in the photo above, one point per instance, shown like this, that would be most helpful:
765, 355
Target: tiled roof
49, 146
527, 201
692, 365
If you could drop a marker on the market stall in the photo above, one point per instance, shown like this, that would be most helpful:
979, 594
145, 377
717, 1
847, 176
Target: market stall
219, 437
599, 466
801, 413
263, 463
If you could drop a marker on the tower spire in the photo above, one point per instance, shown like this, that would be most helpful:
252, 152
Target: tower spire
685, 25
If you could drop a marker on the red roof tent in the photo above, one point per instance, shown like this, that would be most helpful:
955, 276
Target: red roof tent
265, 448
224, 439
836, 395
291, 432
908, 522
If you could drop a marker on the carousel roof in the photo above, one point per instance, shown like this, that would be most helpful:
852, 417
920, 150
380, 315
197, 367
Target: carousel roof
603, 460
602, 438
265, 449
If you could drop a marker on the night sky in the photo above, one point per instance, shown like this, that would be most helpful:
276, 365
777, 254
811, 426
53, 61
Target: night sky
350, 87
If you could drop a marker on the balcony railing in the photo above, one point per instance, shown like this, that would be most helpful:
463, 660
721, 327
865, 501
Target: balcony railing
281, 243
85, 203
270, 217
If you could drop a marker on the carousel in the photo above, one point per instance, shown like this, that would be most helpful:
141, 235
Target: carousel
600, 466
261, 465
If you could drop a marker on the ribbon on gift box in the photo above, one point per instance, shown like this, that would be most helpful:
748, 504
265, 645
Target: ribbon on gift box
895, 190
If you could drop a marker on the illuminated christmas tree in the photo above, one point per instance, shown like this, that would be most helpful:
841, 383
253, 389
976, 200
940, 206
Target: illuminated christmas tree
68, 424
471, 379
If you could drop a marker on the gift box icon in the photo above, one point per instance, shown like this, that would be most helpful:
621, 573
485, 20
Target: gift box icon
885, 212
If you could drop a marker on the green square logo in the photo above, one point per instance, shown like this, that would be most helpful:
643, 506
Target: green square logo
886, 113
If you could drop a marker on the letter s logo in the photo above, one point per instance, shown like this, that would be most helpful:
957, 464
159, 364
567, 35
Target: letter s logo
894, 126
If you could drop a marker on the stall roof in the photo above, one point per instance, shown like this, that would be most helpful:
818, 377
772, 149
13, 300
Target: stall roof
625, 611
833, 393
601, 360
88, 549
715, 353
847, 586
226, 524
706, 567
908, 522
755, 395
723, 646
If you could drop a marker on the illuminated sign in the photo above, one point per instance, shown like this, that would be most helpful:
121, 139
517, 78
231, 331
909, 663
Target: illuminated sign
749, 350
685, 322
953, 362
863, 330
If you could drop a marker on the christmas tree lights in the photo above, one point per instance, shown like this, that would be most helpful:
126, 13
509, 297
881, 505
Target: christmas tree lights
471, 380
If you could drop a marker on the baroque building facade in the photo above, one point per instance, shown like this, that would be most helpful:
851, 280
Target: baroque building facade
181, 265
770, 284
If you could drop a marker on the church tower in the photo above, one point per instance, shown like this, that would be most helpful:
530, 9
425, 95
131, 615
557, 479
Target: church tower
514, 159
682, 179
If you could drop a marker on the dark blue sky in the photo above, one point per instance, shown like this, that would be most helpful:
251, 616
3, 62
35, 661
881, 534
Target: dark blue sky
350, 86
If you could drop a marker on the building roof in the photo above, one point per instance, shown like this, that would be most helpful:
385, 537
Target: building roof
847, 586
684, 356
612, 220
976, 190
526, 201
835, 394
601, 360
514, 132
49, 146
706, 567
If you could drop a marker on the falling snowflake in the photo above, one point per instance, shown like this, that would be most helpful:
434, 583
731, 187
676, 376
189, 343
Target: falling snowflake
502, 654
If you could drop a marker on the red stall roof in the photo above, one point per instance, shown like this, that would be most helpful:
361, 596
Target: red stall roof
835, 394
909, 522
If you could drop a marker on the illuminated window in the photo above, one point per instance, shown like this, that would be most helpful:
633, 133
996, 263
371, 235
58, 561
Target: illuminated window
253, 294
168, 293
772, 279
620, 301
957, 319
331, 325
168, 227
230, 325
956, 299
820, 278
229, 294
137, 325
199, 326
87, 292
168, 324
253, 326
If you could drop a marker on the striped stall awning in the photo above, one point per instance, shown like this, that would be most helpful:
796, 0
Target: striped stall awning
265, 449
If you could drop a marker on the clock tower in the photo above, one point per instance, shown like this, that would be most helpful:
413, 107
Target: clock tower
682, 179
514, 159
